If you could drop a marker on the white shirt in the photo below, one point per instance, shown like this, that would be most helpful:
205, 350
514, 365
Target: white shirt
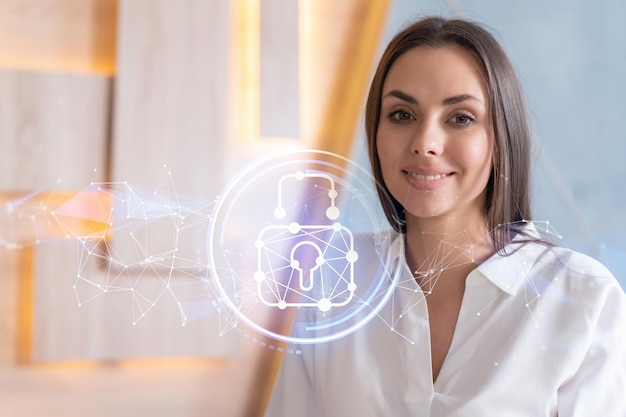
541, 332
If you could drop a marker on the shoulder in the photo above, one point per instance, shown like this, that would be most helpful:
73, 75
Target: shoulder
581, 278
580, 264
534, 266
580, 270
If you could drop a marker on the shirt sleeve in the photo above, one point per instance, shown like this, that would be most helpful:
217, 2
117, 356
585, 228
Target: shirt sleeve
599, 386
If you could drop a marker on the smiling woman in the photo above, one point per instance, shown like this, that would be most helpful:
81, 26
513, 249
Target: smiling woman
434, 139
495, 320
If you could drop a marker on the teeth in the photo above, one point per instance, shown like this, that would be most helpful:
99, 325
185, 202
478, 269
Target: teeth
426, 177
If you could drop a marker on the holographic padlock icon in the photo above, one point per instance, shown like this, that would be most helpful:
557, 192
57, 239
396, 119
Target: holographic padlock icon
303, 265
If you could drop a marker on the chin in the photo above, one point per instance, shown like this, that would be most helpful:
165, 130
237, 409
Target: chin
425, 214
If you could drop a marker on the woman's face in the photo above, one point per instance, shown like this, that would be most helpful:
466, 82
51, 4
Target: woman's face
434, 140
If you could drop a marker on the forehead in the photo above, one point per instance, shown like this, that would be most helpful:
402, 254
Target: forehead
436, 71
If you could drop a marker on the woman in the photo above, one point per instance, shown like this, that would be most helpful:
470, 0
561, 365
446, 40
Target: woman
502, 323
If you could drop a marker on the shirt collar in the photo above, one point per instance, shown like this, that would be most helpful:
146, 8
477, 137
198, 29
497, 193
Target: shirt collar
506, 269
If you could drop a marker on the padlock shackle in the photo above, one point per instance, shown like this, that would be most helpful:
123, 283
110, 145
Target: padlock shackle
332, 212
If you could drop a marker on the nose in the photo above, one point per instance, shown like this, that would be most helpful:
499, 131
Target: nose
428, 139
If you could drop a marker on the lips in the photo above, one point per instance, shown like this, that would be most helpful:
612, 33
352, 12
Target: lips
421, 177
427, 180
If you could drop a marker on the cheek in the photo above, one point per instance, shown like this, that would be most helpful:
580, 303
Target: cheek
479, 157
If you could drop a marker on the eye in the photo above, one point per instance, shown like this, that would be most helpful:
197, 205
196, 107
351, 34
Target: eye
462, 119
400, 116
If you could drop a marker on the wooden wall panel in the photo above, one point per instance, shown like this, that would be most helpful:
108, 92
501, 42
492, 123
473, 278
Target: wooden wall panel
170, 93
52, 126
100, 329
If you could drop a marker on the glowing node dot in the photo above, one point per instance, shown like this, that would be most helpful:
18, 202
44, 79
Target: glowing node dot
259, 276
352, 256
496, 364
293, 227
324, 304
352, 287
332, 194
282, 304
280, 213
337, 227
319, 261
332, 213
299, 175
294, 264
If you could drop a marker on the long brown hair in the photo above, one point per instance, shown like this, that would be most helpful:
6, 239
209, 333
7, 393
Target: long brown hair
508, 190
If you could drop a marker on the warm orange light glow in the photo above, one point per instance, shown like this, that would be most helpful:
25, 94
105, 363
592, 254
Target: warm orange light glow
25, 305
336, 59
245, 67
65, 35
140, 363
31, 218
337, 46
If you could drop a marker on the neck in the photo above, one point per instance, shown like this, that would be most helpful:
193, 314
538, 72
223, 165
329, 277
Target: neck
445, 246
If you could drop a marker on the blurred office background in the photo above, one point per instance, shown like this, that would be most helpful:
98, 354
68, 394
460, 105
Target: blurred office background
113, 90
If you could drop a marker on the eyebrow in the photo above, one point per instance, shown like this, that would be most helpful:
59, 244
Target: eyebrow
457, 99
446, 102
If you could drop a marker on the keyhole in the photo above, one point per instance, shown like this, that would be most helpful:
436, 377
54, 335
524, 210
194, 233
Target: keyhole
306, 257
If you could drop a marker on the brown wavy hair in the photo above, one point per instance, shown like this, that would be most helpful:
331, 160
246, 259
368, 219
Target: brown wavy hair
508, 190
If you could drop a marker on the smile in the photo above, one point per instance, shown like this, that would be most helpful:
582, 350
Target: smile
426, 177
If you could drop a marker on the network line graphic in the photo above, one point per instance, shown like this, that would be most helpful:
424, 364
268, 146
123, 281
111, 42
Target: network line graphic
296, 248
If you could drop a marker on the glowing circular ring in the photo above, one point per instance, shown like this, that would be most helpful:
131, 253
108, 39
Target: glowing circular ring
223, 210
